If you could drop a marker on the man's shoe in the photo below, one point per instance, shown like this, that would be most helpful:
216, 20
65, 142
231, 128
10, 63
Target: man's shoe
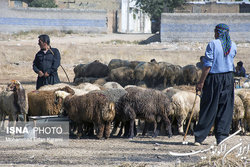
197, 143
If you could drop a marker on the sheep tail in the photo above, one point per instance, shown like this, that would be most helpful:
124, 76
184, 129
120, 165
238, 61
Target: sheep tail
108, 115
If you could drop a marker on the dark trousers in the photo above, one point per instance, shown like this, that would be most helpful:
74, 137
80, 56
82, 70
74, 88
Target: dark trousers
216, 107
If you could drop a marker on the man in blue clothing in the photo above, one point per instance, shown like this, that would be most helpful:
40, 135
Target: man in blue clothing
46, 63
217, 87
240, 70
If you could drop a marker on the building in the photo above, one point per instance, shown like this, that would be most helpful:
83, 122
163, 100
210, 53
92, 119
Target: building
214, 6
133, 20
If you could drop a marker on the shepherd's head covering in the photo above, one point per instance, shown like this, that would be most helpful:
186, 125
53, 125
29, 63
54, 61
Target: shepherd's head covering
223, 31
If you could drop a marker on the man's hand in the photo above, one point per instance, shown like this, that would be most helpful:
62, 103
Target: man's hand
46, 74
40, 74
199, 86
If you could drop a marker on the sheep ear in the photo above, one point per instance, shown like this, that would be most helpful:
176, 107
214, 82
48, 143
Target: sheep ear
111, 106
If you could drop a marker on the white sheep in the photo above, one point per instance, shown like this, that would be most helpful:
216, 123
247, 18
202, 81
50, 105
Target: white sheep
182, 103
112, 85
13, 101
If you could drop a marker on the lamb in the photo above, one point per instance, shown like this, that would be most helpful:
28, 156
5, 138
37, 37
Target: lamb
91, 108
182, 103
13, 101
146, 104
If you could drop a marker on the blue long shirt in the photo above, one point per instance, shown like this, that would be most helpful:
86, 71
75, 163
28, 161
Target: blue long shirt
214, 57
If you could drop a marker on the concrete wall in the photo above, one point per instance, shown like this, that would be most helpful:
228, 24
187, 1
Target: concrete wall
26, 19
200, 27
133, 20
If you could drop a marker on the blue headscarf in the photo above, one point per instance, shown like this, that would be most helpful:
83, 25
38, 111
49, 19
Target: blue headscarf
224, 37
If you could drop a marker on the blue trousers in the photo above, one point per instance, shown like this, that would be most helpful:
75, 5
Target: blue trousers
216, 107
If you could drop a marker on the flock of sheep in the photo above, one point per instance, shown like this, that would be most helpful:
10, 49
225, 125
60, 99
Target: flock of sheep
126, 72
99, 108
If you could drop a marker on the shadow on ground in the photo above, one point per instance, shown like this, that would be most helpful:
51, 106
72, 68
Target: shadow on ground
154, 38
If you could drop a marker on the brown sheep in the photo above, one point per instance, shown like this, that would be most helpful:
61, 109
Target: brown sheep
147, 72
244, 94
42, 103
116, 63
122, 75
238, 114
191, 74
91, 108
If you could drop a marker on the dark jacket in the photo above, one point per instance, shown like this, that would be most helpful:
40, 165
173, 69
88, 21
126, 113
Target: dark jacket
47, 62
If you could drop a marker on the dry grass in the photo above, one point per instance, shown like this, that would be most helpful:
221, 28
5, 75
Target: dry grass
229, 161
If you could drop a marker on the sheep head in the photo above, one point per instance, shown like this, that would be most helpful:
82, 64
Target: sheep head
14, 85
108, 114
20, 96
60, 95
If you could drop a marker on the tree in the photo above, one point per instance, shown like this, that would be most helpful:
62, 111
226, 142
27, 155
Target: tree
155, 7
42, 3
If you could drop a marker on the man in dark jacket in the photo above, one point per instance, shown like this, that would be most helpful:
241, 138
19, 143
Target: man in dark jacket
46, 63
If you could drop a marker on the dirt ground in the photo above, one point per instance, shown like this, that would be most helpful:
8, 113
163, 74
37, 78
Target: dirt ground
16, 56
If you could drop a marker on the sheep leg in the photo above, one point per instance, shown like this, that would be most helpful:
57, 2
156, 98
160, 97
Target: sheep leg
131, 128
121, 129
116, 125
73, 128
180, 122
127, 128
107, 129
12, 119
2, 119
145, 129
89, 129
80, 130
165, 82
156, 129
241, 126
100, 128
168, 125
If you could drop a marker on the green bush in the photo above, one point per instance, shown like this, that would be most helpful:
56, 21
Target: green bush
42, 4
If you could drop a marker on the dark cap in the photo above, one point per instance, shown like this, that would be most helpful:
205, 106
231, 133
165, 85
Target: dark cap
44, 38
240, 63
